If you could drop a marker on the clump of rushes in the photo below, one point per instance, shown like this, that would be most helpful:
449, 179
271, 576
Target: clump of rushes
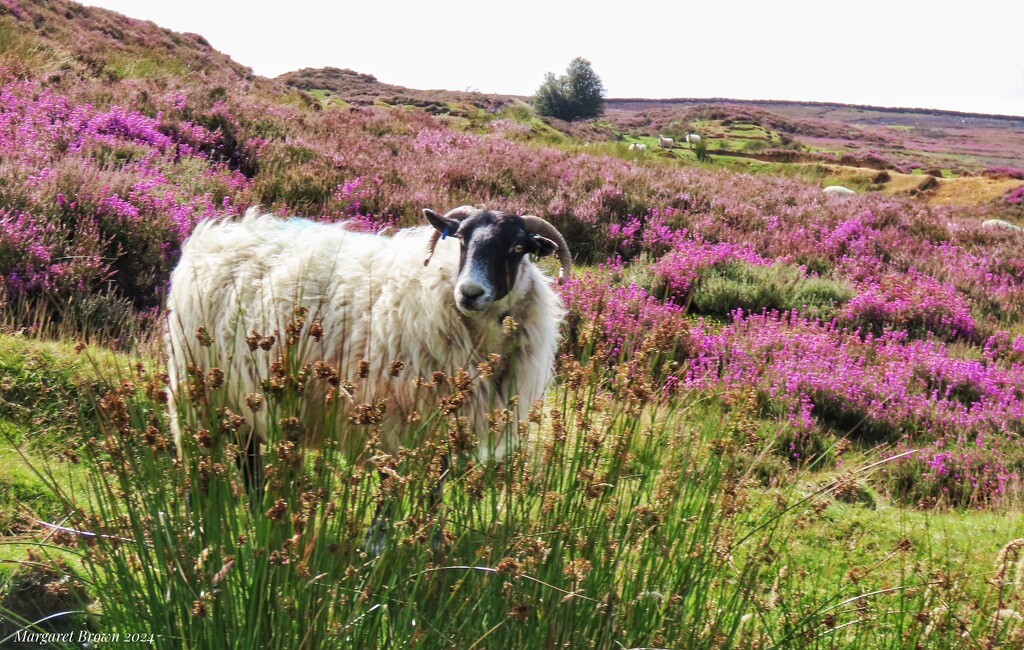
628, 517
563, 541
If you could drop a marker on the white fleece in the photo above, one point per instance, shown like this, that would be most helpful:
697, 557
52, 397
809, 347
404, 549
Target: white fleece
376, 301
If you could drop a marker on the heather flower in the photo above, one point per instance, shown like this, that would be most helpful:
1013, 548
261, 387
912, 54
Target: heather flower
1015, 196
911, 301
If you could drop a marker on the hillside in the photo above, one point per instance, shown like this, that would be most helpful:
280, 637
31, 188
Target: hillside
364, 90
897, 136
841, 140
780, 418
42, 38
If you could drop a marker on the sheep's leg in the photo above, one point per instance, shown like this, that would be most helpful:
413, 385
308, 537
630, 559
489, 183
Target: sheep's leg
437, 493
376, 536
378, 532
250, 464
436, 499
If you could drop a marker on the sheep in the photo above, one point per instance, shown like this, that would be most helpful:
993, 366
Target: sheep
637, 146
692, 139
838, 190
999, 223
371, 301
667, 143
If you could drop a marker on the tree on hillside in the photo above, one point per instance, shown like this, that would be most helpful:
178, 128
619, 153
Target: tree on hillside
578, 94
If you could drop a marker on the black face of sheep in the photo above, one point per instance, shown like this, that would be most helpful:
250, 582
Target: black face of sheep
493, 246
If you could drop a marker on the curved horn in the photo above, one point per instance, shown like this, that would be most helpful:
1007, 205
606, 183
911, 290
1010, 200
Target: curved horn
458, 214
538, 226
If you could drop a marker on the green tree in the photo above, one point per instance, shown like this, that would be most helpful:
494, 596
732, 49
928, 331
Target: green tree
578, 94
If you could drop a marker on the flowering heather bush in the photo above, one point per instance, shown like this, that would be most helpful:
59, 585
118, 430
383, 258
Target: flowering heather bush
38, 257
1015, 197
682, 266
105, 195
956, 475
615, 320
1008, 172
881, 389
913, 302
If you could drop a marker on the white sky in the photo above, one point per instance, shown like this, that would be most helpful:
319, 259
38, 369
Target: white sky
964, 56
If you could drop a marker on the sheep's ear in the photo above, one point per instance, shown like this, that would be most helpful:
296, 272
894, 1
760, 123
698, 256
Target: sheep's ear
542, 246
443, 225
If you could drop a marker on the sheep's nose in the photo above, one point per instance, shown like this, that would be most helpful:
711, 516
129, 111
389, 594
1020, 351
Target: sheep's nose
472, 297
472, 290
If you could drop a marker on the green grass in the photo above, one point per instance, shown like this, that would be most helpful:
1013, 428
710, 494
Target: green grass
327, 98
137, 65
47, 391
21, 50
622, 522
23, 495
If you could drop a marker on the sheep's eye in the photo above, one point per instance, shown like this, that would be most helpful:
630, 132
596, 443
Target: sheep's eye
518, 249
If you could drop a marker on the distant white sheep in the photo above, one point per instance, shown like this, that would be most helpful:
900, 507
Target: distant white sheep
838, 190
637, 146
999, 223
667, 143
692, 139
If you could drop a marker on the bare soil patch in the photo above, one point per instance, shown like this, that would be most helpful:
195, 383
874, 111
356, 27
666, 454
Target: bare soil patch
971, 190
962, 190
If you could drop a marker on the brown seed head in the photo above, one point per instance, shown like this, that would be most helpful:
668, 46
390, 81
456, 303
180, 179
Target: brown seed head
276, 511
484, 369
203, 438
508, 565
154, 439
397, 367
203, 337
316, 329
215, 378
509, 325
327, 373
254, 401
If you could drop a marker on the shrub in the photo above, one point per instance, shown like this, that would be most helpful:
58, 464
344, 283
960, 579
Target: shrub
1015, 196
578, 94
1004, 172
913, 302
952, 477
701, 151
733, 285
617, 321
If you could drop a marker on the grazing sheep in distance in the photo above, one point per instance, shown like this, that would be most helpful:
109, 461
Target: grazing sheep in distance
692, 139
667, 143
368, 302
838, 190
999, 223
637, 146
